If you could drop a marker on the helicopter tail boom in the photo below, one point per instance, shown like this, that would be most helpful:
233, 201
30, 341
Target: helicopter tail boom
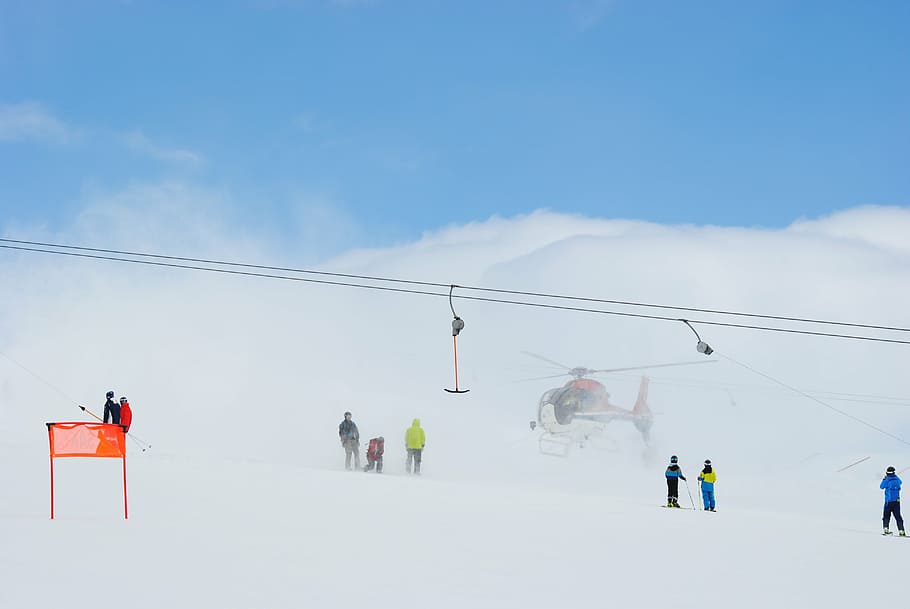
641, 404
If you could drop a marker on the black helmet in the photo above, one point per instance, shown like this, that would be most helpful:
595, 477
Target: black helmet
707, 461
110, 395
673, 459
890, 470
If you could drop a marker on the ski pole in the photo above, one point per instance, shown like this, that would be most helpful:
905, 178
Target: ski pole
84, 409
142, 445
692, 503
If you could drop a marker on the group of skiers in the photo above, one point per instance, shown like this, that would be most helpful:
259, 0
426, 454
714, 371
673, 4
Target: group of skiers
706, 480
415, 441
891, 484
119, 413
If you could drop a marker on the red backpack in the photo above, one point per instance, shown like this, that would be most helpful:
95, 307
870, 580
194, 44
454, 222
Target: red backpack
376, 448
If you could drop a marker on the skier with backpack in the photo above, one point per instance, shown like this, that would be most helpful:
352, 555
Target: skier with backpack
891, 484
674, 475
707, 478
374, 454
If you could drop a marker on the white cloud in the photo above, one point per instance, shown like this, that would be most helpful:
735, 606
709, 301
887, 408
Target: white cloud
877, 226
140, 143
32, 121
193, 343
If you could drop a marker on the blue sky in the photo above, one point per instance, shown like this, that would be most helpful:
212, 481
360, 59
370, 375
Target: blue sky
398, 117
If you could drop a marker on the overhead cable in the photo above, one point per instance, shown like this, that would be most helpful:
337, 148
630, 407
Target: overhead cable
234, 271
629, 303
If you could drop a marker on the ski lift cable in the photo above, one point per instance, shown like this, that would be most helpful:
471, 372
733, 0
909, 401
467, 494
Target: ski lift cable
815, 399
472, 298
464, 287
830, 395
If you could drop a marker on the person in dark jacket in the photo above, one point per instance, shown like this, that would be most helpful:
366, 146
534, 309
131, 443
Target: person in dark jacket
350, 439
892, 487
673, 474
111, 409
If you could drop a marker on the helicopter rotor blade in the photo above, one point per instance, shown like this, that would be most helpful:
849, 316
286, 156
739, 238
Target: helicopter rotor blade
606, 370
540, 378
549, 361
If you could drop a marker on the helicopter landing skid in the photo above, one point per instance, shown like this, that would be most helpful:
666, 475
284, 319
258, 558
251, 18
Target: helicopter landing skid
555, 446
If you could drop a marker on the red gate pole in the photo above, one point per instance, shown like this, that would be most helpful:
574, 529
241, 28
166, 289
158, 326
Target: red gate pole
125, 512
52, 487
50, 440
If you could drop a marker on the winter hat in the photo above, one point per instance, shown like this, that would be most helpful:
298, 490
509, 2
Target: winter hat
890, 470
707, 461
673, 459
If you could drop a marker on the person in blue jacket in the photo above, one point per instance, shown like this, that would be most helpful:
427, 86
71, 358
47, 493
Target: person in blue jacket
673, 474
892, 486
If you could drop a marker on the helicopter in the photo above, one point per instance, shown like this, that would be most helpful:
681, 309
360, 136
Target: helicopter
574, 413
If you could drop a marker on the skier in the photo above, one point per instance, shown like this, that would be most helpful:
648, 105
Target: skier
350, 439
374, 454
707, 477
414, 441
892, 486
673, 474
126, 414
111, 409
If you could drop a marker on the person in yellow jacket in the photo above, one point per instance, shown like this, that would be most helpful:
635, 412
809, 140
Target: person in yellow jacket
414, 440
708, 477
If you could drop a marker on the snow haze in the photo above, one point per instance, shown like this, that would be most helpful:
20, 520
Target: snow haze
239, 383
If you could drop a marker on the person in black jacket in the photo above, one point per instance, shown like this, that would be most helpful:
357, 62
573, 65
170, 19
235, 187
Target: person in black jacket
111, 409
673, 474
350, 439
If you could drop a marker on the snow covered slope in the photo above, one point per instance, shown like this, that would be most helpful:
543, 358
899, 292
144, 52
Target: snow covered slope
242, 534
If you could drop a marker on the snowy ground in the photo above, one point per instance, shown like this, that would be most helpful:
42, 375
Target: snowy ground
588, 530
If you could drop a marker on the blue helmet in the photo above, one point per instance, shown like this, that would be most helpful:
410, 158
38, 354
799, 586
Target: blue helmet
110, 395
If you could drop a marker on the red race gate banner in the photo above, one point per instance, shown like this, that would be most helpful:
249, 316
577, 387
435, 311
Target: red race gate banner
80, 439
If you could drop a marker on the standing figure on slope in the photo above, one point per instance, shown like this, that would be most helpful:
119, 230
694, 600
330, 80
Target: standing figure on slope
707, 478
674, 474
414, 441
111, 409
350, 439
892, 486
126, 415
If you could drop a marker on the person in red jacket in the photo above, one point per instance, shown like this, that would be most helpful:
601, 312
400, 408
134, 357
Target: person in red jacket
126, 414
